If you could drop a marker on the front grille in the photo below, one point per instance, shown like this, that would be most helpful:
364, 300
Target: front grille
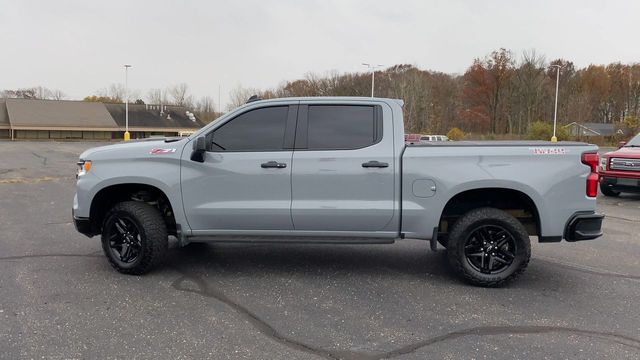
625, 164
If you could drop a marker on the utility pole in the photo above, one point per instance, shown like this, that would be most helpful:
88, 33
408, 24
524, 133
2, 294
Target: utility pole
127, 136
555, 112
372, 68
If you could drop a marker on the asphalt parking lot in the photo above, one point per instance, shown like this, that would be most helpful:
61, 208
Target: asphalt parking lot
59, 298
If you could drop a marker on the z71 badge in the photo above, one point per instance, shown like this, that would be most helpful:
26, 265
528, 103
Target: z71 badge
159, 151
548, 151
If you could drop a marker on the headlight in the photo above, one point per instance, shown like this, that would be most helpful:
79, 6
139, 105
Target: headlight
84, 166
603, 163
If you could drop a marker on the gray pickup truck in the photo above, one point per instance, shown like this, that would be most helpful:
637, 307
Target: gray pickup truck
337, 171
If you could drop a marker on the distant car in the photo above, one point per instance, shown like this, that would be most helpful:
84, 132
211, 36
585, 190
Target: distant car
619, 170
411, 139
434, 138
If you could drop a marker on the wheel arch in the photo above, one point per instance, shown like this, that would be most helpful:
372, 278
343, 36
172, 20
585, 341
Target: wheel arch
112, 194
513, 201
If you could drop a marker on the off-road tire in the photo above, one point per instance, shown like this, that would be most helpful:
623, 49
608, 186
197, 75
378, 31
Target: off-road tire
608, 192
152, 232
462, 231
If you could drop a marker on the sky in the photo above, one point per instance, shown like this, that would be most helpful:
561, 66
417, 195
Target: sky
80, 47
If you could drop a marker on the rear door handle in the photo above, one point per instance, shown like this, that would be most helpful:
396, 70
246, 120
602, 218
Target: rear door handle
375, 164
273, 164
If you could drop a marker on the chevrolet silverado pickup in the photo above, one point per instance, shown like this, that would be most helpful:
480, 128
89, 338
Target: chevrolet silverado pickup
620, 170
336, 170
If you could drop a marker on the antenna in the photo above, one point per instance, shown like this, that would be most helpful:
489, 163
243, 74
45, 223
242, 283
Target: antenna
253, 98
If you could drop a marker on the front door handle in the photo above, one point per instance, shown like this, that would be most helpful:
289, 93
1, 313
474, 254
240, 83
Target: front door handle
375, 164
273, 164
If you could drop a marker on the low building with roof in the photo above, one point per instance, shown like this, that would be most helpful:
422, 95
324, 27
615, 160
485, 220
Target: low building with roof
5, 127
64, 119
590, 129
148, 120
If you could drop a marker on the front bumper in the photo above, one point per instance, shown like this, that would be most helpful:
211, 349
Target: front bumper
584, 226
621, 184
83, 225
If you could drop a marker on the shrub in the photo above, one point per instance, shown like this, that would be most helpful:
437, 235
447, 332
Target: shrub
456, 134
541, 130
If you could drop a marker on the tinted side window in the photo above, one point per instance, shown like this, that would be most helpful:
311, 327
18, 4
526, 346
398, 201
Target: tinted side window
256, 130
341, 127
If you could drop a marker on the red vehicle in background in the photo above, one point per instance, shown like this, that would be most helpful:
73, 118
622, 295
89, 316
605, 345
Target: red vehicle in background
620, 170
411, 139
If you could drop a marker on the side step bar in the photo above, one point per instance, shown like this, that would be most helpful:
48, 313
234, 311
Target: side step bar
288, 239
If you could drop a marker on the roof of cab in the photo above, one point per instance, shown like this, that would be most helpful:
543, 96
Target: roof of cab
323, 99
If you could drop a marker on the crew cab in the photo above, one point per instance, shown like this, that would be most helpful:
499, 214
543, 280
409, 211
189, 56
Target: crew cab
336, 170
620, 170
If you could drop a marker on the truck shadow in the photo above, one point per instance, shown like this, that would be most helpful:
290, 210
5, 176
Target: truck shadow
399, 262
416, 261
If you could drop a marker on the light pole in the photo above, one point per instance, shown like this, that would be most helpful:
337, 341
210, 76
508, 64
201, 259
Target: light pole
373, 74
127, 136
555, 112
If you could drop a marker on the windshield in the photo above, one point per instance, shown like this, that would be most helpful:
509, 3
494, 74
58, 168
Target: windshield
634, 142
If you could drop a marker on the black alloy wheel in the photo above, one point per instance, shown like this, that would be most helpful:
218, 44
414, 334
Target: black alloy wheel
125, 242
490, 249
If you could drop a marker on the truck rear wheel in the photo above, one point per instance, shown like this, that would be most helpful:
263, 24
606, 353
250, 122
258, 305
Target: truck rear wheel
607, 191
134, 237
488, 247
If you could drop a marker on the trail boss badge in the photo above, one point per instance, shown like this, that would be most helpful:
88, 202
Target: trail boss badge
160, 151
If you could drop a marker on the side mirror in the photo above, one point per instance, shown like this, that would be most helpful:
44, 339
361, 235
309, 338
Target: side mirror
199, 148
621, 144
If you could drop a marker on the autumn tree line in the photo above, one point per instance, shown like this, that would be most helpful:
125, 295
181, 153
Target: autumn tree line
499, 94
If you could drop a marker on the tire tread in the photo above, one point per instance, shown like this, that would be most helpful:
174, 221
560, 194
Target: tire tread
468, 220
155, 243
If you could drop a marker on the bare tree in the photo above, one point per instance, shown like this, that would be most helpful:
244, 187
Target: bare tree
239, 95
26, 93
42, 92
205, 109
178, 94
527, 93
205, 105
115, 92
58, 94
157, 97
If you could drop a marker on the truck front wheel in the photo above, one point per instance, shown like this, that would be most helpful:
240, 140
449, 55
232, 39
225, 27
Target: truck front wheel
134, 237
488, 247
607, 191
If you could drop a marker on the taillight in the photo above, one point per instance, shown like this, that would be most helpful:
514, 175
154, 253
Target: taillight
591, 160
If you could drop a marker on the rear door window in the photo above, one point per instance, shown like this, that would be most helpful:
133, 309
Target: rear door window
342, 127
